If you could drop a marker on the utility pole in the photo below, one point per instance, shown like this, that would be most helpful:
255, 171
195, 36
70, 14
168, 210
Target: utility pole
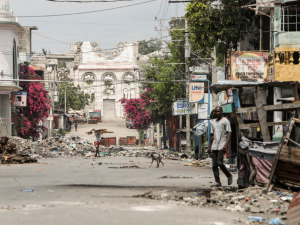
158, 135
188, 134
214, 74
65, 100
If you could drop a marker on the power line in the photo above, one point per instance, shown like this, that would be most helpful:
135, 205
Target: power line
89, 1
108, 35
151, 40
80, 13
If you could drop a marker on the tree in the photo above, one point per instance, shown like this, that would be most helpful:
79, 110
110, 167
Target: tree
146, 47
222, 26
163, 93
27, 119
136, 111
75, 97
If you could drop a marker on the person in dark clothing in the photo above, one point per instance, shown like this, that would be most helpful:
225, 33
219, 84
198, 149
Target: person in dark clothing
76, 125
219, 141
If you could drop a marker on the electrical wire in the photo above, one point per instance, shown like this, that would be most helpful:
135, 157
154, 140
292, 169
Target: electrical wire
88, 1
152, 40
105, 24
107, 35
80, 13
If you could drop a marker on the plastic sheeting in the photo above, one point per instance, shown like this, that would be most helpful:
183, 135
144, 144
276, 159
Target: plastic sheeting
258, 146
201, 128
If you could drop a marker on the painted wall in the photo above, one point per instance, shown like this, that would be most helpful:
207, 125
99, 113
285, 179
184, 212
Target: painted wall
7, 34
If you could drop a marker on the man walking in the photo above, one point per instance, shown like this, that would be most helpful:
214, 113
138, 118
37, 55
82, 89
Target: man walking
76, 125
219, 140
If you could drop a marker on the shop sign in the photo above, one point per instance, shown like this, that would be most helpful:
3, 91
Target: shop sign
196, 92
249, 66
19, 99
184, 108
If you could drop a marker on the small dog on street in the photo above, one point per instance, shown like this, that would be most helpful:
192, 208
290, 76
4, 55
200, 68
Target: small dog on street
158, 157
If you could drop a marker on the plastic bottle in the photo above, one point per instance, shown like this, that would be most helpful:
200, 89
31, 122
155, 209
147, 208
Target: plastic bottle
256, 218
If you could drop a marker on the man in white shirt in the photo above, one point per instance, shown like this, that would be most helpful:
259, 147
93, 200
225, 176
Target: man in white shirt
220, 135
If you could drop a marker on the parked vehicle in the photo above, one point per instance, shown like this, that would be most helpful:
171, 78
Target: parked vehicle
129, 124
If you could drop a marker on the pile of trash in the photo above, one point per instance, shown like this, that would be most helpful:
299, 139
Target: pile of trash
254, 200
53, 147
10, 155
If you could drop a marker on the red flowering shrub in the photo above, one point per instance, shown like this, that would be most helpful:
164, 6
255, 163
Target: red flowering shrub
38, 102
136, 111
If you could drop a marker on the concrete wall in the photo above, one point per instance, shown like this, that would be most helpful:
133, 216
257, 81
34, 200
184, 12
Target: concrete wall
5, 115
7, 34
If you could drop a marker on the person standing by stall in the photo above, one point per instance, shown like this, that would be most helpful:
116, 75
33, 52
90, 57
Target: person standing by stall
219, 140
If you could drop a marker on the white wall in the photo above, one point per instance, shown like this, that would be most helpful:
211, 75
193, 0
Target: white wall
7, 36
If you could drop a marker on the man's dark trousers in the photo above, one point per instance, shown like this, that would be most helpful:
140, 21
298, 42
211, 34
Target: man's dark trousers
217, 160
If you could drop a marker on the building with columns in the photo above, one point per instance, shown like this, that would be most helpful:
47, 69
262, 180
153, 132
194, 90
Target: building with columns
108, 74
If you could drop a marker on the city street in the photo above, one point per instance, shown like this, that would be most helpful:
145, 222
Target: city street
73, 191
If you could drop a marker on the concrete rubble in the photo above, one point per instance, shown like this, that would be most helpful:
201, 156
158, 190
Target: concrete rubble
10, 155
53, 147
253, 200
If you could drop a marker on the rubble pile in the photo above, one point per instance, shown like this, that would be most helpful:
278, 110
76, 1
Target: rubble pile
10, 155
57, 146
250, 200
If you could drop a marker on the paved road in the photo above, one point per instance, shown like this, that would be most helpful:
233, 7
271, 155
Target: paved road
117, 125
72, 191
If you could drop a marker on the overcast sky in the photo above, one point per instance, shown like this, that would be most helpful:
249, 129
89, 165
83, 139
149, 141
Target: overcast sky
107, 28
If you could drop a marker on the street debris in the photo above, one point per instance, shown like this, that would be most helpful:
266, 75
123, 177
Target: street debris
175, 177
254, 200
54, 147
9, 154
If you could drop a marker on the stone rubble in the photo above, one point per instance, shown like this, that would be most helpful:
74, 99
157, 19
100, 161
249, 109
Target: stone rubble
53, 147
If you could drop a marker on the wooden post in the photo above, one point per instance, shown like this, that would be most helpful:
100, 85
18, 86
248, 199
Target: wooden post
286, 134
296, 96
261, 114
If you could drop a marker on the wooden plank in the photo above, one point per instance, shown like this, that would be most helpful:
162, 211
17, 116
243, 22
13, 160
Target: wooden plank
281, 107
251, 125
252, 170
296, 97
289, 158
261, 115
275, 161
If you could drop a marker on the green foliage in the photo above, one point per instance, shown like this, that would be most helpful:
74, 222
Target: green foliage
55, 132
164, 92
141, 134
146, 47
62, 131
220, 26
107, 83
76, 98
62, 64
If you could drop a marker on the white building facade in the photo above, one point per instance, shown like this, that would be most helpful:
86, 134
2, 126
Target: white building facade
9, 64
109, 75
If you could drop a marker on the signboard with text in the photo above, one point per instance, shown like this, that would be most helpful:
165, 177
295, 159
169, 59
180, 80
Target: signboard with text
249, 66
202, 111
199, 77
196, 92
19, 99
184, 108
